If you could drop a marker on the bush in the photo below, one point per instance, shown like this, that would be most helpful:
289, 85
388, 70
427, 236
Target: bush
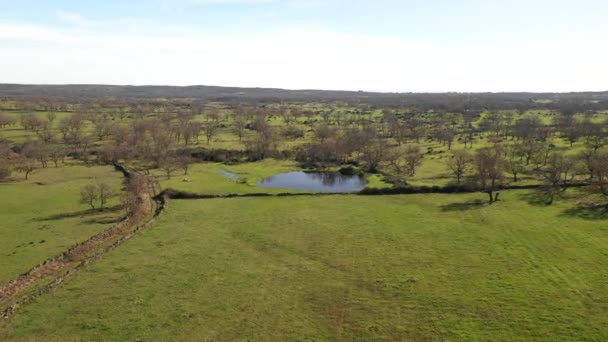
293, 132
228, 156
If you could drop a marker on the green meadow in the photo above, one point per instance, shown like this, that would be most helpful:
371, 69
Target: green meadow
344, 267
420, 267
42, 217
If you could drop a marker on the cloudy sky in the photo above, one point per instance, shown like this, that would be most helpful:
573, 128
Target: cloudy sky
379, 45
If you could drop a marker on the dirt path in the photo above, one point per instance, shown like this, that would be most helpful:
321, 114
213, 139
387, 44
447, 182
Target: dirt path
57, 269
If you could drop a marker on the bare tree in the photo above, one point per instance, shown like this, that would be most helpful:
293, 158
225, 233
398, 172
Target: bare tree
599, 166
105, 193
489, 167
6, 120
239, 125
374, 153
26, 165
588, 159
395, 160
458, 164
560, 170
210, 129
264, 143
323, 132
413, 158
169, 164
31, 122
447, 135
57, 154
184, 161
45, 132
5, 168
529, 149
88, 195
102, 126
513, 161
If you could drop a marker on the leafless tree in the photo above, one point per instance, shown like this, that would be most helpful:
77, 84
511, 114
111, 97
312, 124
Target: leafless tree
458, 163
184, 161
5, 168
210, 129
31, 122
394, 158
88, 195
57, 153
374, 153
264, 143
103, 127
413, 158
489, 167
26, 165
105, 193
6, 120
513, 161
559, 171
169, 164
239, 125
323, 132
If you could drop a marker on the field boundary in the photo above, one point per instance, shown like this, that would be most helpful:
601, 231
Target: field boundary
408, 190
82, 253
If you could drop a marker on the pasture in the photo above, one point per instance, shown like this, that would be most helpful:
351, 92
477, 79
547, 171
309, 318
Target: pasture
42, 217
344, 267
530, 266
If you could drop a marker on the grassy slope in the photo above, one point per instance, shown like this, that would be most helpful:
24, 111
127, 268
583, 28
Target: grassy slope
418, 267
33, 224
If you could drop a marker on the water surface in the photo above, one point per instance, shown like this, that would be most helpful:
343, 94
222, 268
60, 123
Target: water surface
315, 181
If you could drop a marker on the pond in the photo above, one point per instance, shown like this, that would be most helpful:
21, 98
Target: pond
315, 181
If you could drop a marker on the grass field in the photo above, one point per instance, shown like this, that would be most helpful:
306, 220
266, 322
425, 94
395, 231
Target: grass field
42, 217
343, 267
415, 267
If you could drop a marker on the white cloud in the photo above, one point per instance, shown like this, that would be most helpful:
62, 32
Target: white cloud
71, 17
25, 33
296, 60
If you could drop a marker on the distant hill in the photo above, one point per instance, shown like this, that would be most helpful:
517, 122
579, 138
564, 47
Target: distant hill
195, 92
95, 91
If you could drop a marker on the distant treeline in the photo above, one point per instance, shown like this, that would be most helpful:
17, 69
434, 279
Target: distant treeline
232, 95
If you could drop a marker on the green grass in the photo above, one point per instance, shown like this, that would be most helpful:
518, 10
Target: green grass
42, 217
16, 133
417, 267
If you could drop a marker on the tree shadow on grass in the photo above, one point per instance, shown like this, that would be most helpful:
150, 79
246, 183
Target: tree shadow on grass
537, 198
588, 211
474, 204
82, 213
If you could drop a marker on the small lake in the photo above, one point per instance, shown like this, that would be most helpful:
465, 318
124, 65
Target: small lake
315, 181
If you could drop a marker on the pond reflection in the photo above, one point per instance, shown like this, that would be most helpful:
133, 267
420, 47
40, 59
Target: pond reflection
315, 181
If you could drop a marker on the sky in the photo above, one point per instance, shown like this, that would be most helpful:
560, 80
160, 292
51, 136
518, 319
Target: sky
381, 45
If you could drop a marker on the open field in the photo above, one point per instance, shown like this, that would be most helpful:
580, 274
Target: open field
468, 265
417, 267
42, 217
